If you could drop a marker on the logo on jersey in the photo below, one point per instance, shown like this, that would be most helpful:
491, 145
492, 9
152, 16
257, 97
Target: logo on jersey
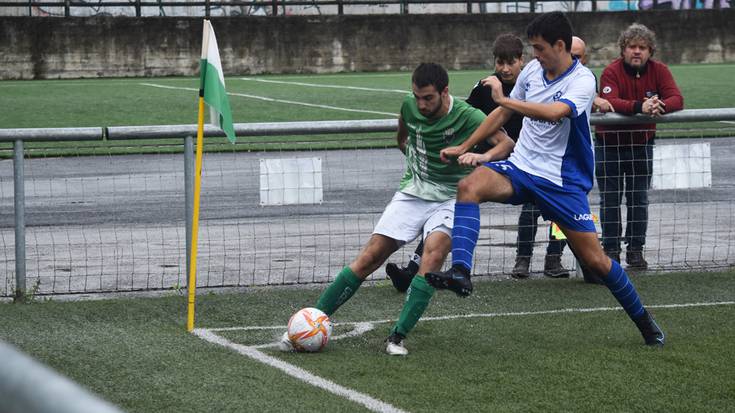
449, 135
606, 89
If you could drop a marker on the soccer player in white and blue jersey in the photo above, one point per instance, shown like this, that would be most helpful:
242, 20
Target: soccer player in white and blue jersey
552, 166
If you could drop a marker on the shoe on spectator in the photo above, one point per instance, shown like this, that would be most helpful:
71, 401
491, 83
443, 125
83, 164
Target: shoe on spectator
553, 267
520, 270
635, 260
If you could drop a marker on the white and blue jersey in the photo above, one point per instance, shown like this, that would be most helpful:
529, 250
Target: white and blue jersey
561, 152
553, 163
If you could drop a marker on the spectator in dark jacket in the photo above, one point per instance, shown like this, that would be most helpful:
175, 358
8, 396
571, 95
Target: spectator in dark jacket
633, 84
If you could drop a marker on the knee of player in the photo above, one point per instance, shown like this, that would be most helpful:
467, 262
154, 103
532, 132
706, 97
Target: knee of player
467, 189
598, 263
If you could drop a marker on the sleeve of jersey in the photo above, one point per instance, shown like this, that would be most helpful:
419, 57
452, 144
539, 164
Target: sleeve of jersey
579, 94
519, 90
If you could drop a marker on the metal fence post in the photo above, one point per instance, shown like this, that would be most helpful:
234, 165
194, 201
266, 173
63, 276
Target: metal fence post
20, 225
188, 196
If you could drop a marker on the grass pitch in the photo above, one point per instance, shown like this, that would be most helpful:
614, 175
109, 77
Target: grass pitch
269, 98
135, 352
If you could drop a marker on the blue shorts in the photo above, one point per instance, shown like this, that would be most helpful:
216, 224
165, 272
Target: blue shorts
567, 206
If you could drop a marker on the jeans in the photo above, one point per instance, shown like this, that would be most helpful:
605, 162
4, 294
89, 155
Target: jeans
527, 226
624, 170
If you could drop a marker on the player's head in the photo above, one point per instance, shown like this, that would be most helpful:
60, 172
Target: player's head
550, 35
430, 83
637, 45
508, 55
579, 49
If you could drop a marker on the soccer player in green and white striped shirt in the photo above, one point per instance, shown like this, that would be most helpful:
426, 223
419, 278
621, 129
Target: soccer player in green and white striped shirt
431, 120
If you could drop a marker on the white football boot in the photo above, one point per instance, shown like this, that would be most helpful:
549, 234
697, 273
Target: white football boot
285, 344
395, 345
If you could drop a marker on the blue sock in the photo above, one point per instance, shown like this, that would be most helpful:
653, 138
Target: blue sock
465, 232
621, 287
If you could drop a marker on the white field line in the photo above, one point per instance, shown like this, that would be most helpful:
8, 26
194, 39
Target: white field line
368, 89
363, 326
267, 99
299, 373
488, 315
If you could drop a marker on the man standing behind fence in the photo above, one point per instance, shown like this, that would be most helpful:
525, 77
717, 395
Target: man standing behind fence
633, 83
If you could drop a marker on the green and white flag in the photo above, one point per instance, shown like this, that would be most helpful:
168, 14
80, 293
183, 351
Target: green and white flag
212, 85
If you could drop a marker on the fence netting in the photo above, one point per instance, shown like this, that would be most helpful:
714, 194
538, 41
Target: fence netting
116, 223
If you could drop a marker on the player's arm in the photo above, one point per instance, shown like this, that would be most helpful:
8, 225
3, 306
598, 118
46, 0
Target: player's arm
488, 128
402, 135
502, 147
552, 112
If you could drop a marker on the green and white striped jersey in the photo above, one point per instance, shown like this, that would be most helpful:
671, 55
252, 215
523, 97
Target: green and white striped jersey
427, 177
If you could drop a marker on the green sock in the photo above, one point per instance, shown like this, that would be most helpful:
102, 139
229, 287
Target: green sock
339, 291
417, 299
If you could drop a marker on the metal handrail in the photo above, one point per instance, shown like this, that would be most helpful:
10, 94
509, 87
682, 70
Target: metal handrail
310, 128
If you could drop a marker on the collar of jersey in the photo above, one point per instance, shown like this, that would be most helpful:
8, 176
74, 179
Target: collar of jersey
575, 61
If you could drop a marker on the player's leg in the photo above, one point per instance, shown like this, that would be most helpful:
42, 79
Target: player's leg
483, 184
372, 256
401, 276
418, 296
590, 252
401, 222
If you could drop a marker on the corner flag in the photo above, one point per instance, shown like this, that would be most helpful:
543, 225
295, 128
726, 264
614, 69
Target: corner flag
212, 85
212, 92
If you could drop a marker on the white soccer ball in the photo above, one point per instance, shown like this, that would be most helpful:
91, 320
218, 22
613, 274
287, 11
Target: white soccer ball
309, 329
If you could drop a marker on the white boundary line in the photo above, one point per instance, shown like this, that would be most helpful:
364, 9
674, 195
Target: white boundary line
368, 89
267, 99
299, 373
489, 315
364, 326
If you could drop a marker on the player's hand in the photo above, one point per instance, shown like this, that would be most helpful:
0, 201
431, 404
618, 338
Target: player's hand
472, 159
486, 81
602, 105
452, 152
496, 86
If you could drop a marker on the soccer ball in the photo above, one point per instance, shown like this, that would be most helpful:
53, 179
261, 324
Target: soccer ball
309, 330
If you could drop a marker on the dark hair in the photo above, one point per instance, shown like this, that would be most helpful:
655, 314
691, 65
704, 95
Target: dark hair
552, 27
430, 74
508, 47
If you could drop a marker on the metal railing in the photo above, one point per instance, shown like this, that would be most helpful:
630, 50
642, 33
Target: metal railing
208, 8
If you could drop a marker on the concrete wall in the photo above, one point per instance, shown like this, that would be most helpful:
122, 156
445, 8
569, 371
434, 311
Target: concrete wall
39, 48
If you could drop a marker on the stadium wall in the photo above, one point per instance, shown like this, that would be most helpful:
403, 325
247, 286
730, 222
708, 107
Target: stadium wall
48, 48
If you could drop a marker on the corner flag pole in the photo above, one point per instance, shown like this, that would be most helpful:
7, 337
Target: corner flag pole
197, 187
212, 92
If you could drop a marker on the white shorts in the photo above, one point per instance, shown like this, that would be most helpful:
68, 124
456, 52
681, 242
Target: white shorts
406, 217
